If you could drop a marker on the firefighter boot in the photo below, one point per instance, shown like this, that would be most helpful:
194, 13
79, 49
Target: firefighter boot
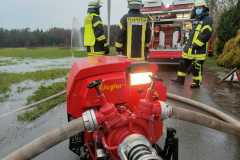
179, 80
195, 84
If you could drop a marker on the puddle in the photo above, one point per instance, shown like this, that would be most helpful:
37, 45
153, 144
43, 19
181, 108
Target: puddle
8, 61
225, 95
19, 93
32, 65
14, 134
11, 129
3, 97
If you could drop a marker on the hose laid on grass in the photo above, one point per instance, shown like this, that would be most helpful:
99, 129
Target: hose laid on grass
205, 107
47, 141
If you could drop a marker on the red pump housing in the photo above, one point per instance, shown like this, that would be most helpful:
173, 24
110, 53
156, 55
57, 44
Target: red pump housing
121, 109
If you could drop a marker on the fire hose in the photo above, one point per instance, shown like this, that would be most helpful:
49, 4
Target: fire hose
223, 116
205, 120
47, 141
56, 136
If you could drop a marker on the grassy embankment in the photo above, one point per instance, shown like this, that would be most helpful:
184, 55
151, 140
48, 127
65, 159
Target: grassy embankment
6, 62
41, 93
36, 53
7, 79
230, 58
211, 65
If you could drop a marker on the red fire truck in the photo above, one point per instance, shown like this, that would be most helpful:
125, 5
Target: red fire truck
171, 25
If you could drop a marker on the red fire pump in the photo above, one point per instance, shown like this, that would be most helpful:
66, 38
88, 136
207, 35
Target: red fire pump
123, 105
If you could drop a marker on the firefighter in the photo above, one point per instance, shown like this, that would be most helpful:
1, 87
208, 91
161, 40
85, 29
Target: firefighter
135, 32
195, 50
94, 37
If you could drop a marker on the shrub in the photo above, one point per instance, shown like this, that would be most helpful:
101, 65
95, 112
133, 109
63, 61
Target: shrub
230, 57
228, 26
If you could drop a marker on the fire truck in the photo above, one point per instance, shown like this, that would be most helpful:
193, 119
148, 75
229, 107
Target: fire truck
171, 25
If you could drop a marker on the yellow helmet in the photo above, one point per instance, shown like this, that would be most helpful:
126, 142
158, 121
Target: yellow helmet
95, 4
199, 3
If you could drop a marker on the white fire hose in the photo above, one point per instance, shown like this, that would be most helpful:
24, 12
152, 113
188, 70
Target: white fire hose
221, 115
47, 141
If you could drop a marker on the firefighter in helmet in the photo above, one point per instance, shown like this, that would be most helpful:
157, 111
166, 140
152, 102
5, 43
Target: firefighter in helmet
94, 37
195, 50
135, 32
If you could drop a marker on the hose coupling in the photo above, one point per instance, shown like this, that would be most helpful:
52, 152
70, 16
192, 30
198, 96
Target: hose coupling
90, 120
137, 147
167, 110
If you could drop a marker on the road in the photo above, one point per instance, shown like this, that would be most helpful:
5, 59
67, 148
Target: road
196, 142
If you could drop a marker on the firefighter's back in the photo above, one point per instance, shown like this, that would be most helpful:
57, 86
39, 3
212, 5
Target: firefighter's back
134, 33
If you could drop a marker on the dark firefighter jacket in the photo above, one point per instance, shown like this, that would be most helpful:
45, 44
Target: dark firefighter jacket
197, 44
94, 37
134, 35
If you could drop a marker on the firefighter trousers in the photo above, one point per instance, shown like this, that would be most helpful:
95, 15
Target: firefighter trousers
195, 67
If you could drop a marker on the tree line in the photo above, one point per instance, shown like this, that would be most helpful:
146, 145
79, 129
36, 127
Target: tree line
54, 37
36, 38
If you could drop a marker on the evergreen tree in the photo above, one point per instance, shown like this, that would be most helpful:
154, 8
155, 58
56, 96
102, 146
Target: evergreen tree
229, 24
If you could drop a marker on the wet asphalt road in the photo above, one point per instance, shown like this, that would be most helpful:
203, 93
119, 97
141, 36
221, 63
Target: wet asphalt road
196, 142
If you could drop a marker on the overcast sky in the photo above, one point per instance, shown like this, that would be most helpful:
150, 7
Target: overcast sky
45, 14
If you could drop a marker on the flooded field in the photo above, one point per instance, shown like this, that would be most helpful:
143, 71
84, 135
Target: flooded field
17, 65
12, 131
20, 92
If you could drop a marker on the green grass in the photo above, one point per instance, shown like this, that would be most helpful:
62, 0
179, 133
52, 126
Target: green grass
22, 89
41, 93
7, 79
6, 62
112, 51
50, 53
4, 96
211, 64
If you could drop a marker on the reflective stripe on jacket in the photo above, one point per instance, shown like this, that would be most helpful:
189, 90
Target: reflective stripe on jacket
134, 34
197, 45
89, 37
94, 36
